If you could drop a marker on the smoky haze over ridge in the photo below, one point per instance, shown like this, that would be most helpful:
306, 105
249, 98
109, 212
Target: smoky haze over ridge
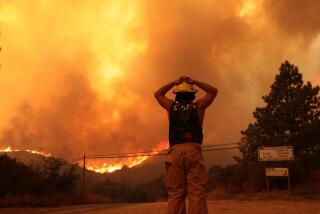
81, 78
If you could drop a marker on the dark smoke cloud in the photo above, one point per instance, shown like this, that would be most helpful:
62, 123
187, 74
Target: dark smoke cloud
294, 17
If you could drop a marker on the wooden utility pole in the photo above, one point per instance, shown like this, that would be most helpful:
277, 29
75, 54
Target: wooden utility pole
289, 181
267, 184
83, 170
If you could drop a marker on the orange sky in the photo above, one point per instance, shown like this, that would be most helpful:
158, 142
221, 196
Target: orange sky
78, 76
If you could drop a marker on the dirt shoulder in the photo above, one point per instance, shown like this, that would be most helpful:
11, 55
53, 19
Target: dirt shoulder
219, 206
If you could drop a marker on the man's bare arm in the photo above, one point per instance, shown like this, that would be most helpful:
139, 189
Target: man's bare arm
160, 94
211, 93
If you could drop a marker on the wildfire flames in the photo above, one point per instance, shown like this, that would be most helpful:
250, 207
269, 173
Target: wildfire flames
9, 149
82, 63
108, 165
105, 166
102, 165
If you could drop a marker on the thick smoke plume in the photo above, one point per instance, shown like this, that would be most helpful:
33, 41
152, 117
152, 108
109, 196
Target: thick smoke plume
78, 76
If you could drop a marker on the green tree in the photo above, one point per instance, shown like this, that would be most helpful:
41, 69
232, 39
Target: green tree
291, 116
60, 175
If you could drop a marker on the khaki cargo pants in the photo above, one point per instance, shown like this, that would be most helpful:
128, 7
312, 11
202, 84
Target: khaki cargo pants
186, 176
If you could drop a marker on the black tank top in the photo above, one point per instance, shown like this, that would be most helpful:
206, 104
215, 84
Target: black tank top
184, 124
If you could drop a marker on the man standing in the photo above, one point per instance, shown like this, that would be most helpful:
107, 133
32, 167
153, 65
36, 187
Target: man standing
186, 174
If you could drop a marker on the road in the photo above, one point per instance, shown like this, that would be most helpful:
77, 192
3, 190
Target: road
215, 207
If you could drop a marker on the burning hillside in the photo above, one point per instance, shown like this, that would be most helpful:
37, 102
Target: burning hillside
103, 164
9, 149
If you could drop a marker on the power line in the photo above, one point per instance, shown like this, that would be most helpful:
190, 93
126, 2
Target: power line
158, 151
146, 155
79, 159
143, 154
133, 153
223, 144
125, 156
154, 153
208, 150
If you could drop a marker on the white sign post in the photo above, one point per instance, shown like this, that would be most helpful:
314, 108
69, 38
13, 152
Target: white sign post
279, 153
277, 172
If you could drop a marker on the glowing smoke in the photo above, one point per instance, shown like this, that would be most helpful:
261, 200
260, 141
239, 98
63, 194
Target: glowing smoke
78, 76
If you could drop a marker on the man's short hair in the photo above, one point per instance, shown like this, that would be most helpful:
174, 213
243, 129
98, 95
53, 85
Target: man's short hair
185, 96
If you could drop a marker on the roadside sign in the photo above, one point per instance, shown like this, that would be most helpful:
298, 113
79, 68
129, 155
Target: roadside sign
279, 153
277, 172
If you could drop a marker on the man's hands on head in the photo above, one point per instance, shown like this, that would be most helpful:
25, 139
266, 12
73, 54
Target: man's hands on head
164, 101
190, 81
202, 103
211, 92
184, 79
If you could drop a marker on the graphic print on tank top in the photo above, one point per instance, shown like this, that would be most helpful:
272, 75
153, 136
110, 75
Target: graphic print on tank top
184, 125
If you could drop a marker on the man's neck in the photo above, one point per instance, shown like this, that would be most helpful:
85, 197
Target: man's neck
185, 102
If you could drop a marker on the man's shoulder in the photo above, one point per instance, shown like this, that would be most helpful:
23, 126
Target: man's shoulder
198, 106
